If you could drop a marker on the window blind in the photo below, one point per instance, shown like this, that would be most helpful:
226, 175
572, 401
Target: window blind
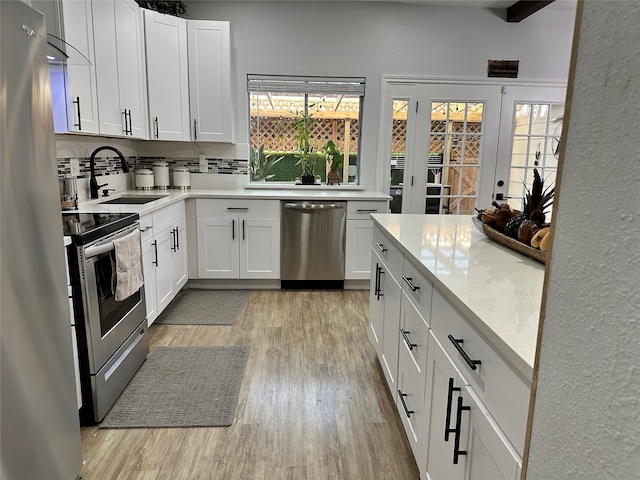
308, 85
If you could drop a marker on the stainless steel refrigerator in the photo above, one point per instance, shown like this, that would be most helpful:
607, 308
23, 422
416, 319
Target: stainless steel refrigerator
40, 432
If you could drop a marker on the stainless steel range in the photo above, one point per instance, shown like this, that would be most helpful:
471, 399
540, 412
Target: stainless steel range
112, 335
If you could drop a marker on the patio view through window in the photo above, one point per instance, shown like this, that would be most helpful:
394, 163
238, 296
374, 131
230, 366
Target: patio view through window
304, 125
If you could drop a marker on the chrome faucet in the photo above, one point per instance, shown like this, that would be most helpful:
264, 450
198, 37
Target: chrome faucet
93, 183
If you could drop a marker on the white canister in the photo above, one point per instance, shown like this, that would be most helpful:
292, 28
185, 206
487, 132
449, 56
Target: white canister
161, 174
181, 178
144, 179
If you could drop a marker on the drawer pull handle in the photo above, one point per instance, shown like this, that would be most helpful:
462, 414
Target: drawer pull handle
405, 335
379, 272
447, 421
241, 209
411, 285
367, 210
381, 247
146, 229
456, 441
457, 342
404, 405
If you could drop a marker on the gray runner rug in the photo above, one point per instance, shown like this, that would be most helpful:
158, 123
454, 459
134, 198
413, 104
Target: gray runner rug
205, 307
182, 387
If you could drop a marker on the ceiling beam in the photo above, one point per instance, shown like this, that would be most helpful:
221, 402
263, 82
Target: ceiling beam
523, 8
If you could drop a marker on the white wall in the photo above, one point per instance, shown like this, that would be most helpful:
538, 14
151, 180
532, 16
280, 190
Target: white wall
374, 38
586, 421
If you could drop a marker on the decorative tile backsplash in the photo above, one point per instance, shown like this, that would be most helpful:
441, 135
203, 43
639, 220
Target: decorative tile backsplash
111, 165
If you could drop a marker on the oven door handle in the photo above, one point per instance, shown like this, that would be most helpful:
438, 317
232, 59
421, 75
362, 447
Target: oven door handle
95, 250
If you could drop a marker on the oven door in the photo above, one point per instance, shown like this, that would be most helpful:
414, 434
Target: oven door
108, 322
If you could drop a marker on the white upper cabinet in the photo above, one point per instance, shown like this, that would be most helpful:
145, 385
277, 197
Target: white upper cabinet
73, 85
210, 81
120, 70
167, 76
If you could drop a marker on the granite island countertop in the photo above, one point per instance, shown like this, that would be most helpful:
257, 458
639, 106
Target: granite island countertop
498, 290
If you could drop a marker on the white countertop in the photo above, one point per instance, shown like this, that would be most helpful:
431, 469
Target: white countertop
172, 196
498, 290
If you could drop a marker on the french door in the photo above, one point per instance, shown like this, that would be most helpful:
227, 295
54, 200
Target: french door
450, 147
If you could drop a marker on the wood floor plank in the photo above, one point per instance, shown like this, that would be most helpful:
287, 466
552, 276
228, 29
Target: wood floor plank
313, 404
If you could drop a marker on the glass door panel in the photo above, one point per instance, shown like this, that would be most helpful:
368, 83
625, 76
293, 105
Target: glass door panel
530, 130
398, 153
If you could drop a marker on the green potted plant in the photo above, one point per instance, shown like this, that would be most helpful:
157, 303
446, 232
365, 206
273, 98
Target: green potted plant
260, 164
334, 160
301, 126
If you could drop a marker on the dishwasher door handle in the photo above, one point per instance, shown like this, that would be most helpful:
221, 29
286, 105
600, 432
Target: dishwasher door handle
313, 206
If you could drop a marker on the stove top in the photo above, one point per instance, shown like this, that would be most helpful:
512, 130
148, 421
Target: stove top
84, 228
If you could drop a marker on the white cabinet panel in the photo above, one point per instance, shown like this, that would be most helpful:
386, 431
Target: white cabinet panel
149, 256
217, 248
167, 76
238, 238
357, 257
179, 257
119, 67
392, 294
164, 280
260, 248
210, 80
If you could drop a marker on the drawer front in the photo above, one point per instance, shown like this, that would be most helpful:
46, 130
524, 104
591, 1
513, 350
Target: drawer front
388, 253
234, 208
146, 227
414, 333
360, 210
499, 387
168, 216
410, 401
418, 289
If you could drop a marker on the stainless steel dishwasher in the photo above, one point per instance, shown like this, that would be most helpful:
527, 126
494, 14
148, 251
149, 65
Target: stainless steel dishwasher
313, 238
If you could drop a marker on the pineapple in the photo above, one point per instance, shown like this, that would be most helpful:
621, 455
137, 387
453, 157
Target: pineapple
533, 211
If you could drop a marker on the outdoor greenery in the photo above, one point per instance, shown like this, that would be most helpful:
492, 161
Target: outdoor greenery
260, 165
287, 168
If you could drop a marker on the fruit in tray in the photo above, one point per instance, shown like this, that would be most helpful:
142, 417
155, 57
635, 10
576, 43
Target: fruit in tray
539, 236
522, 225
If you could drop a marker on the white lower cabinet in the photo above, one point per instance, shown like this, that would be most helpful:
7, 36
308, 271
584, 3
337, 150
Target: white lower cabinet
238, 239
164, 257
464, 440
457, 419
359, 234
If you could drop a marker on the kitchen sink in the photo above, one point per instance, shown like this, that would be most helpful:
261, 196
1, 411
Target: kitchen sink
133, 199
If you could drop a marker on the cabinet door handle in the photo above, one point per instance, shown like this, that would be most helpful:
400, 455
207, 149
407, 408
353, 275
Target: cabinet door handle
376, 288
367, 210
241, 209
381, 247
155, 247
447, 422
379, 292
244, 237
456, 441
173, 240
177, 239
405, 335
130, 127
77, 102
411, 285
233, 229
157, 130
146, 229
195, 129
457, 342
404, 405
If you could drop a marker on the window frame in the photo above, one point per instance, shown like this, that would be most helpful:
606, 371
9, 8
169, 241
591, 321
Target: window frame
306, 86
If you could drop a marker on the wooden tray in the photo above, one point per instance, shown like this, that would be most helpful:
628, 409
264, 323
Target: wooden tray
513, 244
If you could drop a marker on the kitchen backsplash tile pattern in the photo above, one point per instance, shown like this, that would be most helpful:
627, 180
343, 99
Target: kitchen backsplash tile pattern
111, 165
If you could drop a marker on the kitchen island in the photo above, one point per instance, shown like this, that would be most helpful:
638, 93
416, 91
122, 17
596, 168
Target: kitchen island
454, 319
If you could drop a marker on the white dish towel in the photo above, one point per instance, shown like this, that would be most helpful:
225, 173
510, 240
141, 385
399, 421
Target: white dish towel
128, 255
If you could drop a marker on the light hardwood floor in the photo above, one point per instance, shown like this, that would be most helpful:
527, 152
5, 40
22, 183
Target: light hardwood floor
313, 404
